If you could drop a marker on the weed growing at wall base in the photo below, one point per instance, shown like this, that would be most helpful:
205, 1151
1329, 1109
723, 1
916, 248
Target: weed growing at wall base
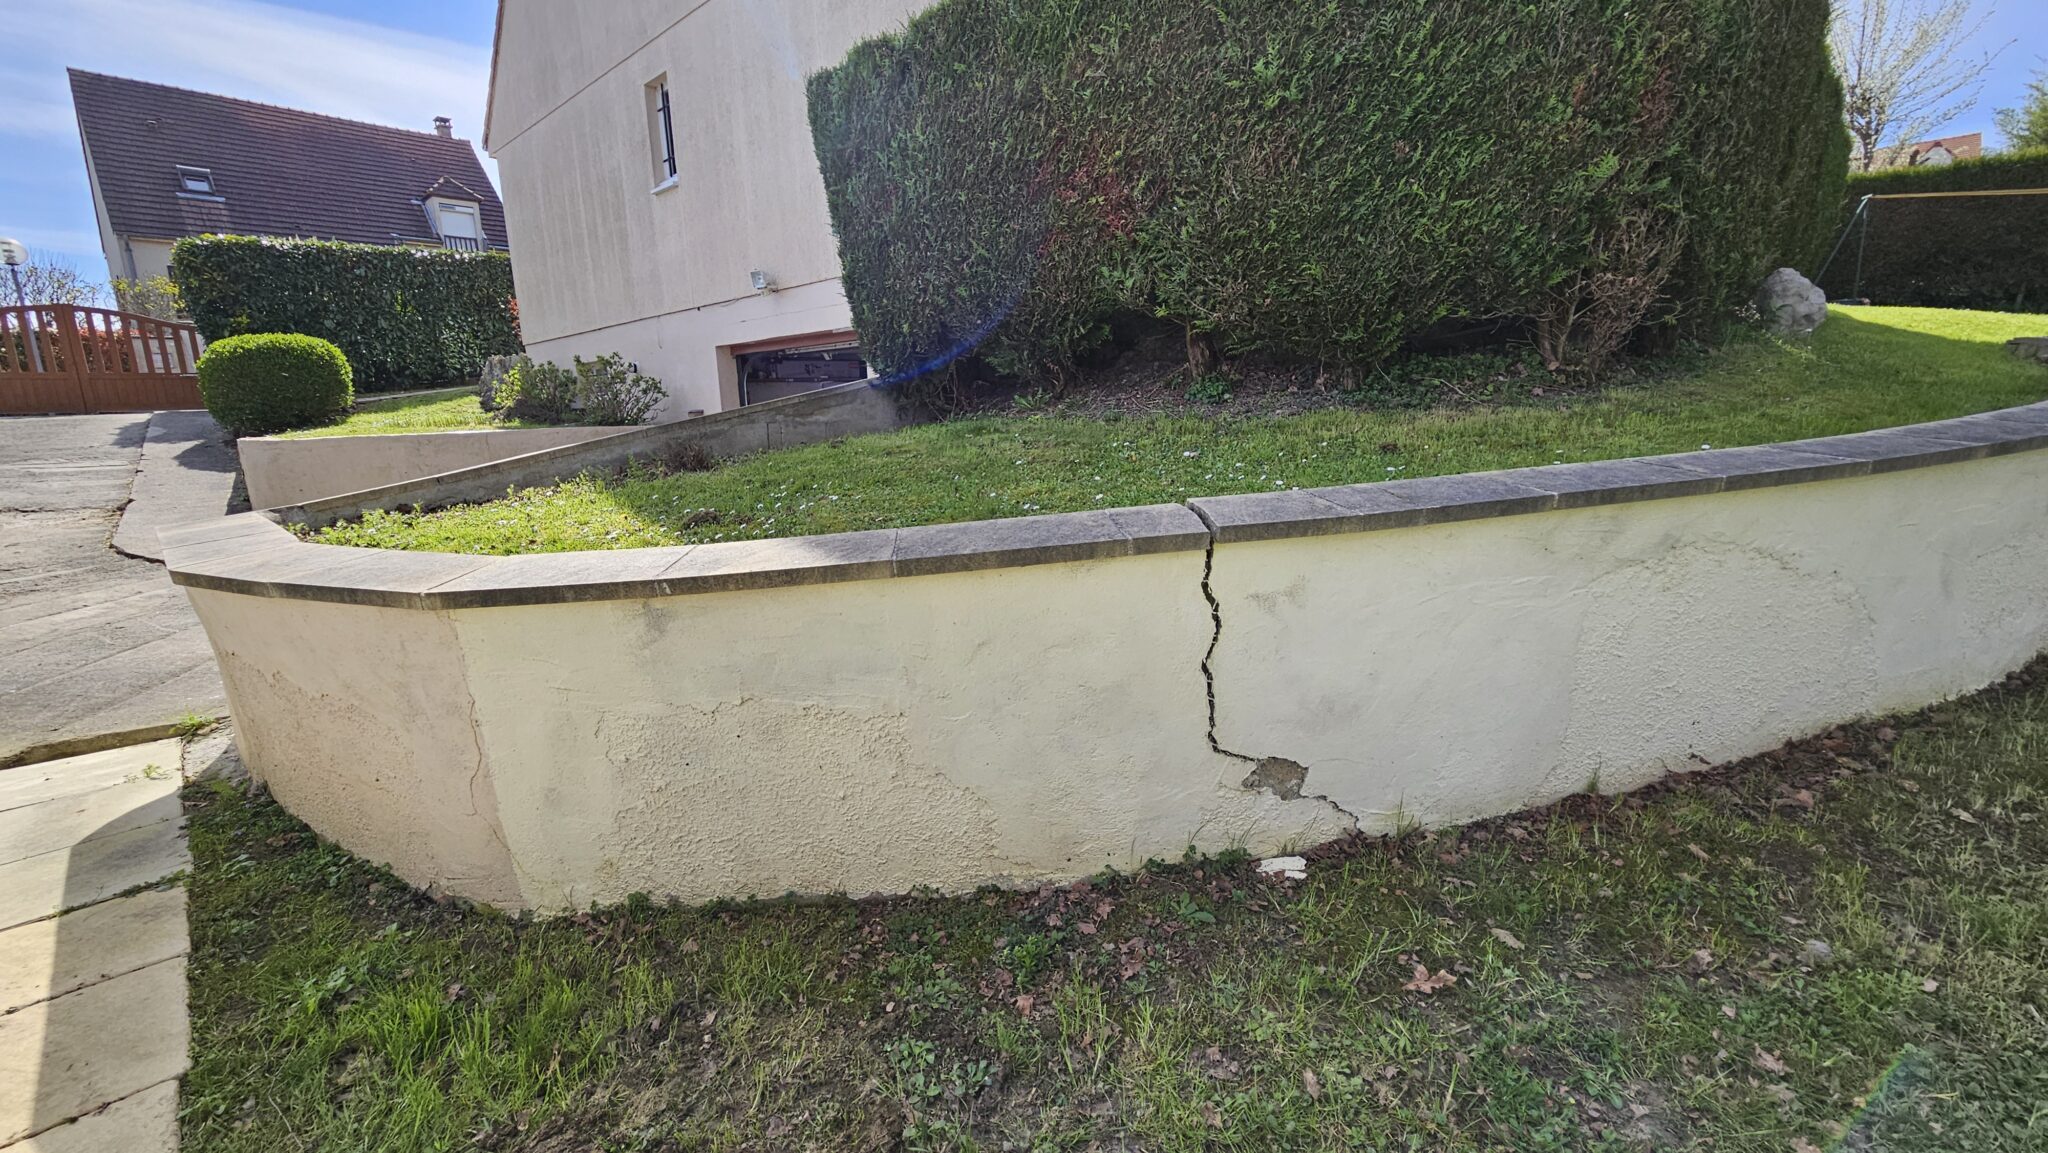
1843, 944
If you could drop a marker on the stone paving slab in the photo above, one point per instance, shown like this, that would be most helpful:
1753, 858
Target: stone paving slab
39, 886
92, 642
34, 784
65, 1058
32, 830
188, 473
144, 1123
59, 955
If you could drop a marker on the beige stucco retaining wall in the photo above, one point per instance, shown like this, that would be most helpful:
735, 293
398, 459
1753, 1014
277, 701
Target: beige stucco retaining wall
1026, 700
285, 471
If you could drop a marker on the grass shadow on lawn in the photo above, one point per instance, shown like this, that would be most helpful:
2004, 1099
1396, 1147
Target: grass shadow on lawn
1840, 944
1867, 368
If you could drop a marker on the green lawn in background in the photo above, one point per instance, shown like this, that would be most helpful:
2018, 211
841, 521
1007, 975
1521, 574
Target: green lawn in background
448, 410
1866, 368
1840, 946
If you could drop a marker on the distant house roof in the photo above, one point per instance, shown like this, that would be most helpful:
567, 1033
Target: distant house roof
273, 171
1943, 149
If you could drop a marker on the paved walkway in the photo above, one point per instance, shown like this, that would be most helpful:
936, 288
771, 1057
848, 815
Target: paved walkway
92, 642
93, 1028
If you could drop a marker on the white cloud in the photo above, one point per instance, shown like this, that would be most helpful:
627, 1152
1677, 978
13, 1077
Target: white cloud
240, 48
252, 50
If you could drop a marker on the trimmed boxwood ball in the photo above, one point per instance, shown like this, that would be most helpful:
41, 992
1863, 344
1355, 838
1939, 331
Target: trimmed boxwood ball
274, 382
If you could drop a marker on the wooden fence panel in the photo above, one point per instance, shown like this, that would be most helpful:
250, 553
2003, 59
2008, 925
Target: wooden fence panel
64, 358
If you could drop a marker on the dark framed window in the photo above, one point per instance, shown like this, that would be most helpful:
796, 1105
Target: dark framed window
661, 130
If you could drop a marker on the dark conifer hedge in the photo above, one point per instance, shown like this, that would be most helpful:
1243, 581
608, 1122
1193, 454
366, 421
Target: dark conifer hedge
1969, 252
1320, 179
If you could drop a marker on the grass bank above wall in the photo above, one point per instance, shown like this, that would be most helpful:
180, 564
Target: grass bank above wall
1865, 369
1321, 180
405, 317
451, 410
1942, 252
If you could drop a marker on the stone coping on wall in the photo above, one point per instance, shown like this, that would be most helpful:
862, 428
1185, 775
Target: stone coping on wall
253, 555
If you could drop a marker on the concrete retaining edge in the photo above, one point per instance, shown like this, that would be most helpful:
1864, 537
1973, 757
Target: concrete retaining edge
814, 417
253, 555
284, 472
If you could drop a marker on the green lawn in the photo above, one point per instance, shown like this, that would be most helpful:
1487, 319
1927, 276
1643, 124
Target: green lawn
449, 410
1867, 368
1843, 945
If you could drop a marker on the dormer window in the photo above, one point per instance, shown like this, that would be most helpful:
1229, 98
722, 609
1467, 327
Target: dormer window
457, 223
197, 181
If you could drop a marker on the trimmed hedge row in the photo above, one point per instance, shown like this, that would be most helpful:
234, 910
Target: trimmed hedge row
1323, 179
1972, 252
405, 317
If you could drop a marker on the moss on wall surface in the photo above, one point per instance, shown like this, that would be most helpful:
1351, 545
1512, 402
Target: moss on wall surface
1321, 180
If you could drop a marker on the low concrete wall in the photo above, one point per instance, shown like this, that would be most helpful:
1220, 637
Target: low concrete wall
813, 418
1037, 699
284, 472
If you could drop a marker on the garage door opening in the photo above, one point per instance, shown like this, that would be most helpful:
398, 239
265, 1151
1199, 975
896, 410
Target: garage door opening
771, 374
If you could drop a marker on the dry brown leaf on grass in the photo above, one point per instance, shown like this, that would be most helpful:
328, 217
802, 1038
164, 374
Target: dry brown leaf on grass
1507, 938
1424, 983
1802, 1145
1698, 852
1311, 1084
1768, 1062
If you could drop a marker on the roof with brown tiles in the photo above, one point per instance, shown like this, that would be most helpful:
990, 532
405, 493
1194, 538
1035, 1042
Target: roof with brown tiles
276, 171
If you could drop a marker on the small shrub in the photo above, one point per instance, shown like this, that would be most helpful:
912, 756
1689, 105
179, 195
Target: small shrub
685, 456
149, 295
1215, 388
535, 390
490, 377
612, 391
274, 382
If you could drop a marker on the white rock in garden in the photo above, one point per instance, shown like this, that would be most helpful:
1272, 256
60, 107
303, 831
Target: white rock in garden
1791, 304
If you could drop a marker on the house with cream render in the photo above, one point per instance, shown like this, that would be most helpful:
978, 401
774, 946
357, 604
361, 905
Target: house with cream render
662, 194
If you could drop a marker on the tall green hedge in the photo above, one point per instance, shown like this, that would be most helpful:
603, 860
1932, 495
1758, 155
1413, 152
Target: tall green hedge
1321, 178
405, 317
1970, 252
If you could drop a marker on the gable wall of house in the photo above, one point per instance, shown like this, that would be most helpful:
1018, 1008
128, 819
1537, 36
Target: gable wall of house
606, 263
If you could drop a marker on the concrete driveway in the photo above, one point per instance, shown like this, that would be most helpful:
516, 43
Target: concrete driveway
93, 642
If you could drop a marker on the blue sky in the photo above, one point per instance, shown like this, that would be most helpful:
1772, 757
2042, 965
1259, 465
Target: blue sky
377, 60
397, 62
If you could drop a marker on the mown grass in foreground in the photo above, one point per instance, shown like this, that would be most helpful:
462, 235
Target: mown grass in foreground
1867, 368
446, 411
1842, 945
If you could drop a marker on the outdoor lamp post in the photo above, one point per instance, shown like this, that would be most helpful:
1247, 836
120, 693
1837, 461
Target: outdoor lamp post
14, 255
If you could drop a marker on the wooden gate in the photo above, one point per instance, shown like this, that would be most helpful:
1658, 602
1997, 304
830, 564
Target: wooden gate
63, 358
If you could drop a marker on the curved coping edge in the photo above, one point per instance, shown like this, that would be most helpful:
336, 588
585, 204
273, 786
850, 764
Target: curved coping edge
254, 555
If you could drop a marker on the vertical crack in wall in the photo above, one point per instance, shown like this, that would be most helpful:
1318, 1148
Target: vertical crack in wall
1279, 776
1215, 639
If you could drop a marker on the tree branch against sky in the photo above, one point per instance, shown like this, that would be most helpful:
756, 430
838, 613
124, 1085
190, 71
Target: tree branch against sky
2027, 125
1906, 70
